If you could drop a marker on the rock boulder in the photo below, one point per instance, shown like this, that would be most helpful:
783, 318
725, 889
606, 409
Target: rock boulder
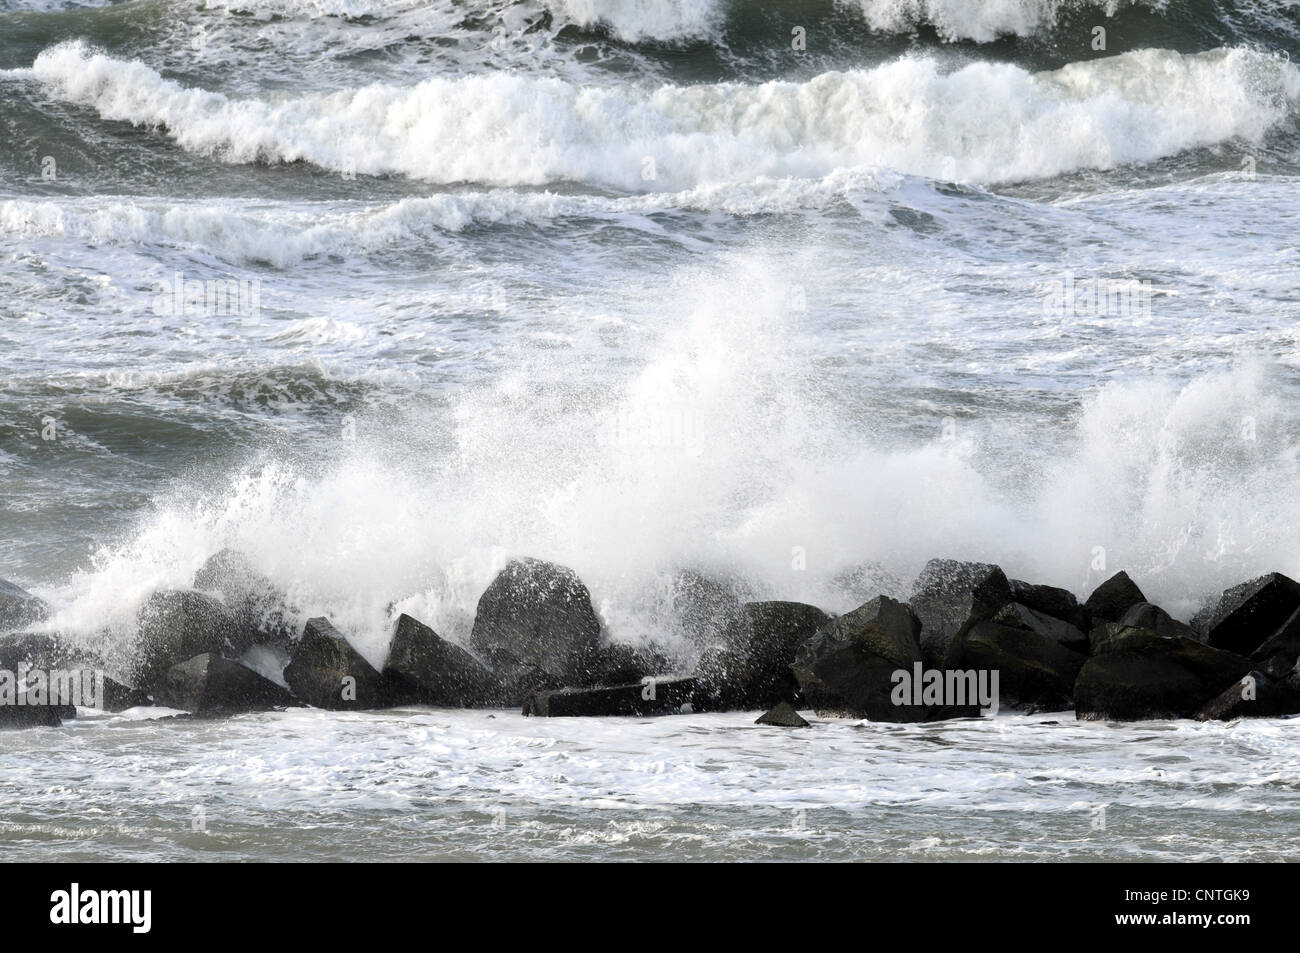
1245, 616
1134, 674
536, 627
209, 684
435, 671
327, 672
948, 598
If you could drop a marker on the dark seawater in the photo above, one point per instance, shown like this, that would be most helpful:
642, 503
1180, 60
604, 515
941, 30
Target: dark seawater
637, 287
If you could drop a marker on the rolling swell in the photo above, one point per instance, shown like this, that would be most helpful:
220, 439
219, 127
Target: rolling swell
987, 94
984, 123
678, 40
1060, 26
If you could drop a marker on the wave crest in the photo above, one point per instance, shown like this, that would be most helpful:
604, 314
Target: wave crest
985, 123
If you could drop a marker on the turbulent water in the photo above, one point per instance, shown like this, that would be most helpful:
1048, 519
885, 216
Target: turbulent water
772, 291
416, 785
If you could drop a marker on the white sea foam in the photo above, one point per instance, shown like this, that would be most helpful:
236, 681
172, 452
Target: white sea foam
283, 234
630, 20
675, 20
984, 123
479, 785
978, 20
764, 472
635, 20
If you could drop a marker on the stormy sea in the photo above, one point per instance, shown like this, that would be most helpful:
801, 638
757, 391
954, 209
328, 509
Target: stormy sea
709, 302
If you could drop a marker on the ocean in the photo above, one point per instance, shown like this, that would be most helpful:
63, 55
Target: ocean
796, 294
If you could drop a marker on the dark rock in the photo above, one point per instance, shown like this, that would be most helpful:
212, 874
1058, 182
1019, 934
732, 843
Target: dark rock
618, 663
1063, 703
1109, 636
1134, 674
176, 625
1278, 654
949, 597
1112, 598
256, 603
844, 678
1033, 668
710, 611
782, 716
119, 697
1255, 696
327, 672
1247, 615
211, 685
847, 667
435, 671
536, 628
773, 632
40, 650
1052, 601
19, 608
725, 679
884, 627
1057, 630
27, 701
23, 715
1145, 615
654, 696
753, 671
1291, 681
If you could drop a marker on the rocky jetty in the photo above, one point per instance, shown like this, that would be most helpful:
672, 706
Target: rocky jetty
969, 642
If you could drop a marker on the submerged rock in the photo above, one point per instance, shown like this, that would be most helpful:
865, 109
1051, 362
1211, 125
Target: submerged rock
782, 716
19, 608
949, 597
433, 670
536, 627
1245, 616
327, 672
752, 671
653, 696
1113, 598
211, 685
176, 625
1134, 674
